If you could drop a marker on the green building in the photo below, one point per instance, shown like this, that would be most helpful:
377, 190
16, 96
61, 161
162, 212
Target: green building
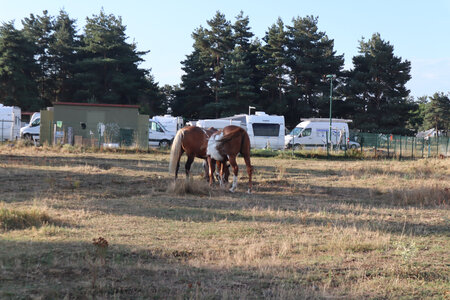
94, 124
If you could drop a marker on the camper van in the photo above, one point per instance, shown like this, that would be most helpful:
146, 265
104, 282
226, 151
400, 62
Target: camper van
32, 130
9, 123
264, 131
312, 133
158, 135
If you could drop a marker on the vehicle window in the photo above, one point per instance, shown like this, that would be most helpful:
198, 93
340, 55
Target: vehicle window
306, 132
262, 129
36, 122
155, 127
296, 131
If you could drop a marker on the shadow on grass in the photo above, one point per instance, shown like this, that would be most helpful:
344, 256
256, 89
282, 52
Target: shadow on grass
57, 270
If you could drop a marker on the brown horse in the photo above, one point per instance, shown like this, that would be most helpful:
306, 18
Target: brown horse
194, 141
226, 145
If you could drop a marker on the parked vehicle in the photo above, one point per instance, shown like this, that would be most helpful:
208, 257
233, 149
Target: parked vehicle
172, 124
32, 130
216, 123
264, 131
9, 123
312, 133
158, 135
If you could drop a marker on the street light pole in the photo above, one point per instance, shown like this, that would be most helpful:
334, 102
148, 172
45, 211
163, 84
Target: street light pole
330, 77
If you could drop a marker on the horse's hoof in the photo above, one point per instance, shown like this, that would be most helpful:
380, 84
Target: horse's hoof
249, 191
232, 190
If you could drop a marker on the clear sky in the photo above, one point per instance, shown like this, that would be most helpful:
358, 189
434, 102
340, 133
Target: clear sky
418, 30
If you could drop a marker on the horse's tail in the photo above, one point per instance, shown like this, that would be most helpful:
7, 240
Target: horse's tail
175, 151
245, 143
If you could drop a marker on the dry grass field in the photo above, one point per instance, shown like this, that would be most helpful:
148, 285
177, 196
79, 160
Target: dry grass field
79, 225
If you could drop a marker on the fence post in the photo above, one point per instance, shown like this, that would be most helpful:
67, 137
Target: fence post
400, 147
446, 148
388, 141
437, 144
412, 147
2, 132
423, 145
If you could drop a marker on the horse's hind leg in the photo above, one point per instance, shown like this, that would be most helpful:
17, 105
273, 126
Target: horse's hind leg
235, 173
249, 172
189, 162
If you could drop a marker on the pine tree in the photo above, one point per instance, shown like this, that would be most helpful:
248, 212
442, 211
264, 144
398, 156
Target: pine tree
63, 56
38, 29
240, 87
215, 45
311, 57
376, 89
273, 69
17, 70
108, 67
194, 97
437, 112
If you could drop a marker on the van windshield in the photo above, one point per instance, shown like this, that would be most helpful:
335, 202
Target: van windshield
296, 131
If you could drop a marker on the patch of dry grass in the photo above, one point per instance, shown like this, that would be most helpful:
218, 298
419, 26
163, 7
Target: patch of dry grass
311, 228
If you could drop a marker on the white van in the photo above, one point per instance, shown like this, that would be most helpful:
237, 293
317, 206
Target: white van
158, 135
10, 117
169, 122
264, 131
32, 130
312, 133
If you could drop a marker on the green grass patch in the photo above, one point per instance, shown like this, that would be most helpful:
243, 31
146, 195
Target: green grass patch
11, 219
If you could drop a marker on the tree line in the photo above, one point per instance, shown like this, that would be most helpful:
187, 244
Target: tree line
229, 69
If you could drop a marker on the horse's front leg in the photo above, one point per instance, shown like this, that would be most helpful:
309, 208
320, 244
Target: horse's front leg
220, 167
235, 173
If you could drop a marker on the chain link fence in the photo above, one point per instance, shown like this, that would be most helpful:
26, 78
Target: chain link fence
389, 145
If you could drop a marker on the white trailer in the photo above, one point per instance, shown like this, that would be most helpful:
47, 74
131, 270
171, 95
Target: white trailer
216, 123
10, 121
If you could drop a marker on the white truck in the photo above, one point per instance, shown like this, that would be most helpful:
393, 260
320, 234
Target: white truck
32, 130
10, 117
313, 133
158, 135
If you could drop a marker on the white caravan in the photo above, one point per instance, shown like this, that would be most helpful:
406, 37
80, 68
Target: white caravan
32, 130
10, 117
216, 123
264, 131
312, 133
158, 135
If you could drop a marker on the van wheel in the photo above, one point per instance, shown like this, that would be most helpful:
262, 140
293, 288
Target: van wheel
298, 147
164, 144
352, 146
27, 136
